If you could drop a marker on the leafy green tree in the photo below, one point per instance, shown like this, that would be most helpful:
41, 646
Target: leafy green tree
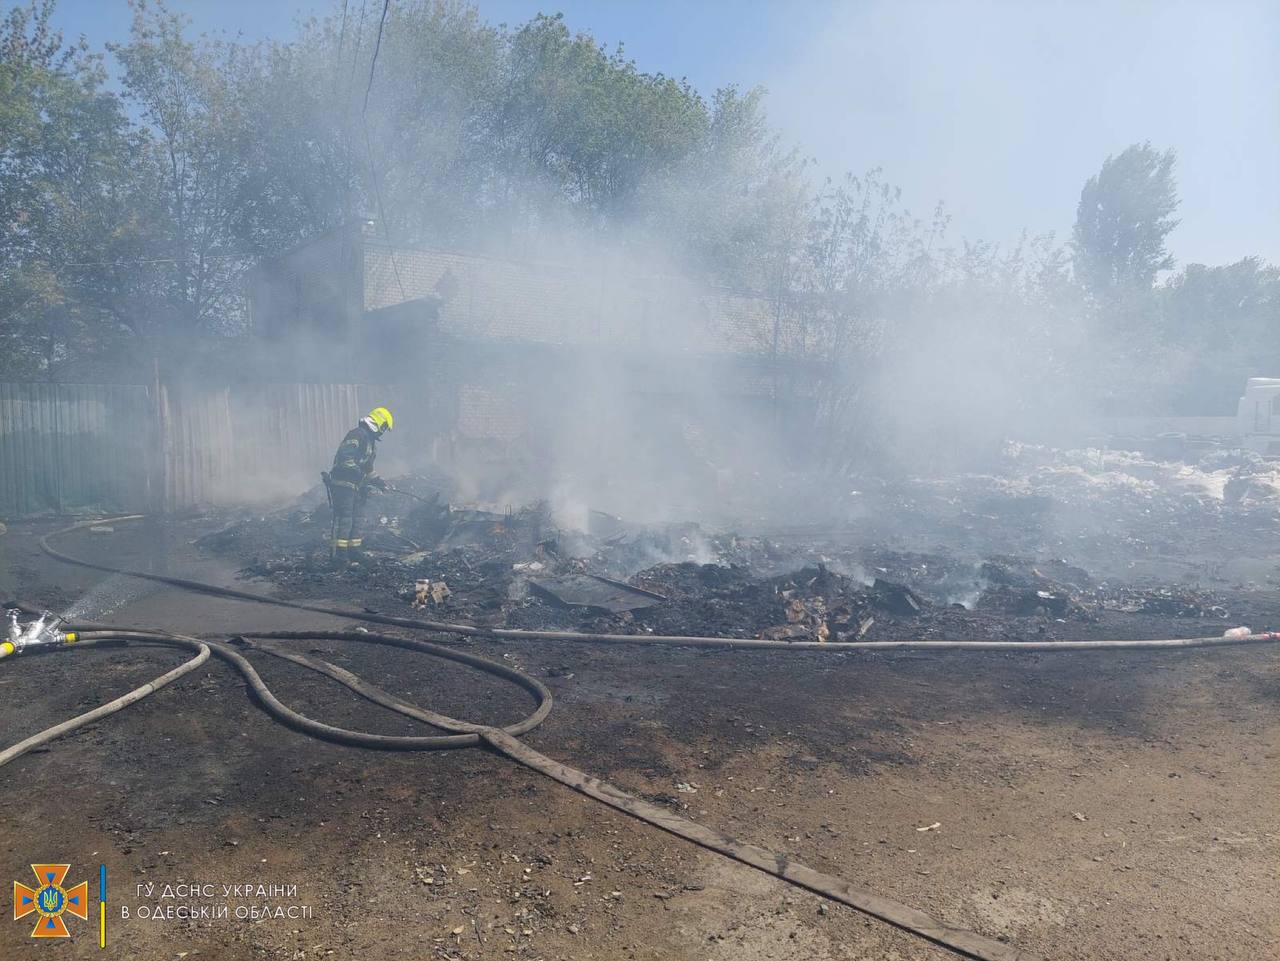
1124, 215
417, 123
194, 153
297, 175
127, 220
735, 209
66, 201
588, 121
1221, 326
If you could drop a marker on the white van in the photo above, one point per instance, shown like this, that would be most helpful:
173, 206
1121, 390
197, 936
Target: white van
1258, 416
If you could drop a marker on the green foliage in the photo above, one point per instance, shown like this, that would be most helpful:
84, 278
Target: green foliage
735, 207
1124, 216
1223, 326
195, 153
66, 199
588, 120
127, 220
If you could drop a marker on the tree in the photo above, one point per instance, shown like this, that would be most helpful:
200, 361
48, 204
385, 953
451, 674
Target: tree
193, 151
418, 122
127, 220
1222, 325
589, 119
66, 201
1122, 221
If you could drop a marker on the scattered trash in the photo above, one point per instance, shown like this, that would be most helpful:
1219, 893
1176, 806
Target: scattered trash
1078, 816
428, 593
1006, 578
1236, 632
931, 827
806, 620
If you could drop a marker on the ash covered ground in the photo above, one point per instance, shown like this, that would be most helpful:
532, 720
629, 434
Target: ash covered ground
1078, 805
1052, 544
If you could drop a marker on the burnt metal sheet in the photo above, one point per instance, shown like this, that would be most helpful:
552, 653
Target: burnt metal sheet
599, 593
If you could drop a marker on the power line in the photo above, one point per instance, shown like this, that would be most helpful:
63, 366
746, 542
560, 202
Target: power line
337, 57
386, 4
342, 34
355, 58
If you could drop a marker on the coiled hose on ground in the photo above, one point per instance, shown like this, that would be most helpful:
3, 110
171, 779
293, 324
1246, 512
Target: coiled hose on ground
504, 740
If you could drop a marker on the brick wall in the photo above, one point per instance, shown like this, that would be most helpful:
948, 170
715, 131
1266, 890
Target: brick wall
489, 411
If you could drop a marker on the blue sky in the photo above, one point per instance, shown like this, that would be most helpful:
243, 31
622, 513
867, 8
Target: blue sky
1000, 109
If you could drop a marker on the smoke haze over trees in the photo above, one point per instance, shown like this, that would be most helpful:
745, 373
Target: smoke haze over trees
131, 211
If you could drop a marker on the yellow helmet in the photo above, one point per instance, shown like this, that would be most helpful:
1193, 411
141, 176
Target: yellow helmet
380, 420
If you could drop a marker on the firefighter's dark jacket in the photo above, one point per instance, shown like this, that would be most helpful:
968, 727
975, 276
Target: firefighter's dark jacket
353, 464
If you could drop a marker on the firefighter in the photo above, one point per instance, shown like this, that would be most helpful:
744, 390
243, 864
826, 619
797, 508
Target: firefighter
351, 480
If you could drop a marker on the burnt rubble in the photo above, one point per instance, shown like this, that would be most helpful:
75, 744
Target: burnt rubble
515, 568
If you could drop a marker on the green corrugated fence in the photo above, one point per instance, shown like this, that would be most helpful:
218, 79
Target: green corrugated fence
66, 447
71, 447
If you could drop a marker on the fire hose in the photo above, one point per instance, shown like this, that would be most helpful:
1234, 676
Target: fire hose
504, 740
513, 634
120, 703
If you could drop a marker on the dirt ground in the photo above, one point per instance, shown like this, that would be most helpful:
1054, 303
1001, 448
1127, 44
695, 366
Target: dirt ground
1095, 806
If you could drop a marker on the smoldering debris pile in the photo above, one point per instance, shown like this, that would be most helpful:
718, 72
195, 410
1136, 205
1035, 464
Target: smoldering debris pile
515, 567
1108, 510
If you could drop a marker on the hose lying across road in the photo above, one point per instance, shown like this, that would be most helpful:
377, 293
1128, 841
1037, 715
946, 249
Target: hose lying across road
504, 740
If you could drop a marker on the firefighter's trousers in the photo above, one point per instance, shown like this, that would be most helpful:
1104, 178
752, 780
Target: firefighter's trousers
348, 520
